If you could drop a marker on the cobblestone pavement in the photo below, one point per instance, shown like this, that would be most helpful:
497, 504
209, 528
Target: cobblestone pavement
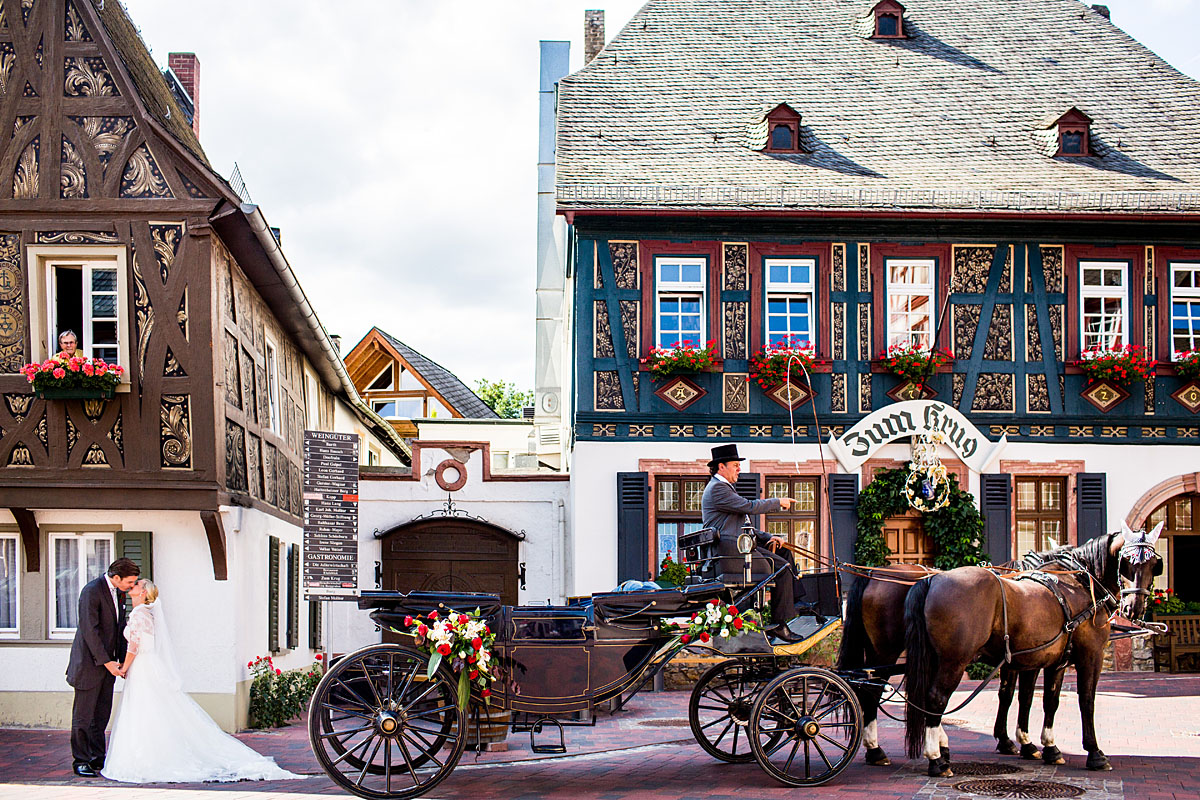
1148, 724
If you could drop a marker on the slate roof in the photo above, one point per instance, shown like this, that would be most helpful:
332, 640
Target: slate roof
951, 117
447, 384
147, 77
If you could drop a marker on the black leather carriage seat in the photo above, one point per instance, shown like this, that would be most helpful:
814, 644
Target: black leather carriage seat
662, 603
392, 607
716, 558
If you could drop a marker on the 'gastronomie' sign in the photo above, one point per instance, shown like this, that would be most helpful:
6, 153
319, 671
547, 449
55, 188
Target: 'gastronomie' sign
916, 418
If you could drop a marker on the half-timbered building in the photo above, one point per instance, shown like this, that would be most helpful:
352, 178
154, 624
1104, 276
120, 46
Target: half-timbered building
114, 224
1009, 182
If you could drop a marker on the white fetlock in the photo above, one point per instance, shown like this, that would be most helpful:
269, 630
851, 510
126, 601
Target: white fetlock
871, 735
933, 748
1023, 737
1047, 737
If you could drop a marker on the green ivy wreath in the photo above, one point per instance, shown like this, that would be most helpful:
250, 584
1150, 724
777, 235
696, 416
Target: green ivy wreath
956, 528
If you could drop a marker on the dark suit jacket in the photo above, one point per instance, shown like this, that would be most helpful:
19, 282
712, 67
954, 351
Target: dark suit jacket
100, 636
723, 508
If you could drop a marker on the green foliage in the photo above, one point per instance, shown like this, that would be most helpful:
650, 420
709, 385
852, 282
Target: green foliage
978, 670
1165, 603
277, 696
671, 571
503, 398
956, 528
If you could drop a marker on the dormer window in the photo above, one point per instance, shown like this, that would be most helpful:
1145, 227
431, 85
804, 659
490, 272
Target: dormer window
1074, 134
889, 20
783, 130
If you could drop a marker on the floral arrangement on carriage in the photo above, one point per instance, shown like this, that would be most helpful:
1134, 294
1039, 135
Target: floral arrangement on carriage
716, 619
65, 376
465, 642
685, 358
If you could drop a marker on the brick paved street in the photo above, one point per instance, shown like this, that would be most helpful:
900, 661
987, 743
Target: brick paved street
1149, 725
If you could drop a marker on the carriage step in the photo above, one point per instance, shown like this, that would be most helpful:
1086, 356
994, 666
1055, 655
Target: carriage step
551, 748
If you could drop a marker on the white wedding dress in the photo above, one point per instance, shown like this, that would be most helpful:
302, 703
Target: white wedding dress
161, 735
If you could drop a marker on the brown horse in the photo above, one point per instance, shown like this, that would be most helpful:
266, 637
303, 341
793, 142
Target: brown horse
1035, 623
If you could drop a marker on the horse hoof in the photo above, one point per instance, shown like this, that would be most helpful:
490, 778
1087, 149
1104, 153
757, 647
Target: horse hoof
1052, 755
940, 769
1029, 752
945, 753
1098, 762
877, 758
1007, 747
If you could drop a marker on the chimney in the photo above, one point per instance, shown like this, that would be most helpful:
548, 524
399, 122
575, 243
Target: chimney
336, 341
1102, 11
187, 68
593, 34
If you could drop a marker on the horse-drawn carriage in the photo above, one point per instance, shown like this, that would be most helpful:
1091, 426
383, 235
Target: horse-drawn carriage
383, 725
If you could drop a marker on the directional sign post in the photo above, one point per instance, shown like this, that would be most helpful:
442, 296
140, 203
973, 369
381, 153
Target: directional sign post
330, 515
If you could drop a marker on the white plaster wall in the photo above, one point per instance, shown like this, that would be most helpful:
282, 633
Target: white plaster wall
511, 436
539, 508
1132, 470
346, 421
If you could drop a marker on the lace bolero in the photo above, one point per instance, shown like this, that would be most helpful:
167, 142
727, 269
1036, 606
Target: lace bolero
139, 628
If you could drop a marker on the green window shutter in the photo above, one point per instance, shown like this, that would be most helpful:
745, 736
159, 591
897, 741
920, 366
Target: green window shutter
293, 596
136, 546
315, 609
272, 594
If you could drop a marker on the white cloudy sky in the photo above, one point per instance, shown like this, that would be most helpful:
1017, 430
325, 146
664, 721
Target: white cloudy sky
395, 144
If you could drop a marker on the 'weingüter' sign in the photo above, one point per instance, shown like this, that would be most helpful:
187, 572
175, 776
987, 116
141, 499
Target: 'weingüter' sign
330, 515
916, 418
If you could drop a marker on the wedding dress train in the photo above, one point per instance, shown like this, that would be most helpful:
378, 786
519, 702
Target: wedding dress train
161, 735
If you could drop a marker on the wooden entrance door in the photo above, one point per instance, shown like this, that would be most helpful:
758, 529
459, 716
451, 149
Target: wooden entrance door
456, 555
906, 537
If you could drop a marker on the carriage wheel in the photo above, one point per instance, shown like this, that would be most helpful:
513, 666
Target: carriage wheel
381, 728
805, 727
719, 710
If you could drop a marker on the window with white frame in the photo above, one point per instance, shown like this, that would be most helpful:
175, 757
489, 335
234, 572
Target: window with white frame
273, 384
910, 301
1104, 304
399, 408
1185, 307
10, 573
680, 307
76, 559
789, 295
82, 289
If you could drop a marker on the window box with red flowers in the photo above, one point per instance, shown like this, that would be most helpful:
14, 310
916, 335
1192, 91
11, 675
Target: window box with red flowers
66, 377
685, 358
913, 365
1110, 370
1187, 367
784, 372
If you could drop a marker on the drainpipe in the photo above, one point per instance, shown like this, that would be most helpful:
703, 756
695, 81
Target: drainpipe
266, 238
565, 551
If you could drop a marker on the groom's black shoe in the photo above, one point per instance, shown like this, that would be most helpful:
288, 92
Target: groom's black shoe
97, 765
86, 771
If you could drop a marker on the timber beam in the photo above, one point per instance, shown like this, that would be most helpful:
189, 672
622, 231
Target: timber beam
30, 539
214, 529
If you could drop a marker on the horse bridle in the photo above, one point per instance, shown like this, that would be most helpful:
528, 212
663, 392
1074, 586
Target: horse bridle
1136, 553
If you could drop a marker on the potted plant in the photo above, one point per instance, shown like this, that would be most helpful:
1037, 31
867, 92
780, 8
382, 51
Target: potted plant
774, 365
73, 377
1116, 365
671, 572
914, 366
685, 358
1187, 367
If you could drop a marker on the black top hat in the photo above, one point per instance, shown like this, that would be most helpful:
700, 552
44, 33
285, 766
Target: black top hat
724, 452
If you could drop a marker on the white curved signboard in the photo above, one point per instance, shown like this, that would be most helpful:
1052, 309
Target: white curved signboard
915, 418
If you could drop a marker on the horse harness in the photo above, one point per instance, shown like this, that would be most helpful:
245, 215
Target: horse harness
1070, 621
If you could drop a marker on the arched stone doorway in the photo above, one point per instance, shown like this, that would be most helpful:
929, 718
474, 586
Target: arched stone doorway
454, 554
1180, 543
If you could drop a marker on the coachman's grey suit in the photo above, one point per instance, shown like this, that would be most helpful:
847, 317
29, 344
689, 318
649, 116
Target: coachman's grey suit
98, 639
728, 512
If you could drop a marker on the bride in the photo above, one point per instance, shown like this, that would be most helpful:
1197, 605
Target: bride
161, 735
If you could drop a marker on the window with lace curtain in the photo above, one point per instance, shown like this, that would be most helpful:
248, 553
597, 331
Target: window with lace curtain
799, 525
75, 559
677, 511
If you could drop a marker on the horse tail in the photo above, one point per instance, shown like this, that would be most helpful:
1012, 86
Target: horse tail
853, 653
920, 668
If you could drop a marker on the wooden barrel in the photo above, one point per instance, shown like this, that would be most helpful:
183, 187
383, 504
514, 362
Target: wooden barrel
492, 725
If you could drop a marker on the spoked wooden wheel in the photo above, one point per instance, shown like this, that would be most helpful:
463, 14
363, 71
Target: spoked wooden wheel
805, 727
719, 710
381, 728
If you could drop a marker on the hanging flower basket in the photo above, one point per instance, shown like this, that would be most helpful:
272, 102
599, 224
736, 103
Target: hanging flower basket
1119, 366
64, 377
685, 358
772, 366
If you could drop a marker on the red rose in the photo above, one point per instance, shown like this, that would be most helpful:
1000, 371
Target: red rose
422, 630
473, 675
462, 619
477, 643
733, 610
433, 615
444, 649
714, 602
278, 672
704, 637
685, 638
695, 614
249, 663
471, 659
319, 657
486, 693
737, 623
408, 622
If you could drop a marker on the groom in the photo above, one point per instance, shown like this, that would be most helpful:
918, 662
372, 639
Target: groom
95, 662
